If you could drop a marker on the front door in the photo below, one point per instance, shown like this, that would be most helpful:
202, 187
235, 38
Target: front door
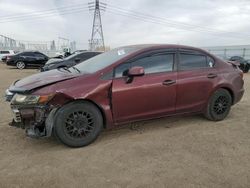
149, 96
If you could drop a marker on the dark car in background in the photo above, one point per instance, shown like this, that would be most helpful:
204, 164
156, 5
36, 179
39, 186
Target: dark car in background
27, 59
69, 61
244, 64
124, 85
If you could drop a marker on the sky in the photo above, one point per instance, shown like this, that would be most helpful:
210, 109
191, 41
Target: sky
189, 22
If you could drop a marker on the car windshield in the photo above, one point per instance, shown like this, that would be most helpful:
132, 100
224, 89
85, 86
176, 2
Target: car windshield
105, 59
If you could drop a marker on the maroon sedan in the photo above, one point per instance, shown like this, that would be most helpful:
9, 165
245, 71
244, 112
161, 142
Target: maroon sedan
127, 84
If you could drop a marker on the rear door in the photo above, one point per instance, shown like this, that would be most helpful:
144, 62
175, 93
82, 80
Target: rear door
149, 96
28, 58
197, 76
40, 59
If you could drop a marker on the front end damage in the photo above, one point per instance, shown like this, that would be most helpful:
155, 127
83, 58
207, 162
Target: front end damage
36, 119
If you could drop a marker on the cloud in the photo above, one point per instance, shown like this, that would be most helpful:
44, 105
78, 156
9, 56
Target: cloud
208, 18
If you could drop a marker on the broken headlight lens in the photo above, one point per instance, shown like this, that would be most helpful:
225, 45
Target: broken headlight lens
30, 99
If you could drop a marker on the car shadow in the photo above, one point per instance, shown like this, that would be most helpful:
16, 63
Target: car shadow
52, 143
27, 68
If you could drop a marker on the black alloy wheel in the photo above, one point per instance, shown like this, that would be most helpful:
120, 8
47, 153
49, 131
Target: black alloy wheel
78, 123
219, 105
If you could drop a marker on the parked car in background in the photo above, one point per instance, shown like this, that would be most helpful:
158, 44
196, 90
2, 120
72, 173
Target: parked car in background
126, 84
69, 61
5, 53
27, 59
78, 51
244, 64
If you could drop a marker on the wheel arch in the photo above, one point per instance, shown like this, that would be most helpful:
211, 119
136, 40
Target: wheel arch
226, 87
231, 93
96, 105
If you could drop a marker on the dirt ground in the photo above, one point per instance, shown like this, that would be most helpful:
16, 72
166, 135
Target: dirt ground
170, 152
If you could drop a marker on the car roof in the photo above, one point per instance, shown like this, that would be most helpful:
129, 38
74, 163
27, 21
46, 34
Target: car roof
90, 52
145, 46
31, 51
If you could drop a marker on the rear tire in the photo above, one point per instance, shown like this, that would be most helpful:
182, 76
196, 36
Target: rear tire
219, 105
78, 124
20, 65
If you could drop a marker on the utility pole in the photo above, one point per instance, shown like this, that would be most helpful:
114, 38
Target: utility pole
97, 40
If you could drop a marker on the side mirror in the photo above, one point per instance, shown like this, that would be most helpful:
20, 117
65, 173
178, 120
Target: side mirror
136, 71
77, 60
133, 72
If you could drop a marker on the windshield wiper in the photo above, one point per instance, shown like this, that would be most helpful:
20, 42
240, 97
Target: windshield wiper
76, 69
64, 68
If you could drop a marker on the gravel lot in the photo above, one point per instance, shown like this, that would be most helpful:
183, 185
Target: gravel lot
170, 152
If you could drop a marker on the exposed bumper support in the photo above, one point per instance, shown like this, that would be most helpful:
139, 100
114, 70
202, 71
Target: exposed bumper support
36, 120
49, 122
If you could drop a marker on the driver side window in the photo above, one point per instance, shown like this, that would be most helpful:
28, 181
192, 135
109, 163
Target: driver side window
154, 63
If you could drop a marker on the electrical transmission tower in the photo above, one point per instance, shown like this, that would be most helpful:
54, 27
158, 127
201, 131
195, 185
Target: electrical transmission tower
97, 40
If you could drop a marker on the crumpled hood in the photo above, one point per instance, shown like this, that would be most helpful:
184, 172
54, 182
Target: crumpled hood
53, 60
41, 79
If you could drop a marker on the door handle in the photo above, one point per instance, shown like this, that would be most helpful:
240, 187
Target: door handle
212, 75
168, 82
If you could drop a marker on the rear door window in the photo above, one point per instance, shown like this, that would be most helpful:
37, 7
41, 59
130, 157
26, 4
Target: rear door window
37, 54
192, 61
4, 52
27, 54
210, 62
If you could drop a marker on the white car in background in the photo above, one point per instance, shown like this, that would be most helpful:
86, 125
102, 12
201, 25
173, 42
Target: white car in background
4, 53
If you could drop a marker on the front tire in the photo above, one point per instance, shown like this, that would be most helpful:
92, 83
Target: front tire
20, 65
78, 124
219, 105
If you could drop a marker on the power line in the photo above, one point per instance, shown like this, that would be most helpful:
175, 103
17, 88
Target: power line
77, 8
63, 12
164, 24
171, 23
43, 11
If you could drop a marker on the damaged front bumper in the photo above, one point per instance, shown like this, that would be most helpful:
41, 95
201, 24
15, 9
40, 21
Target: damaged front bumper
37, 120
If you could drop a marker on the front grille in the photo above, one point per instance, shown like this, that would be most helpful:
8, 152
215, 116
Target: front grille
8, 98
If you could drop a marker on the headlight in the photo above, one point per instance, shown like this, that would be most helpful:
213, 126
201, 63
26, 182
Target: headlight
7, 92
30, 99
